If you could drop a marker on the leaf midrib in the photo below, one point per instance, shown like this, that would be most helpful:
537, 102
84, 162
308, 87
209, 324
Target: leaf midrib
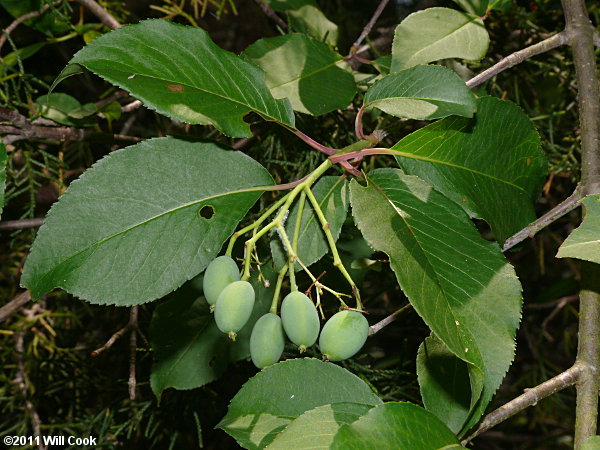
425, 99
144, 222
154, 77
310, 74
424, 253
414, 55
456, 166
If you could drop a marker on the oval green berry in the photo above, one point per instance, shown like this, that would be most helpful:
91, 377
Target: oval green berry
300, 320
267, 341
343, 335
221, 272
234, 307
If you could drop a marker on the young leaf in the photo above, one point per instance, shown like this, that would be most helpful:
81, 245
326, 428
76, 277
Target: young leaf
142, 221
190, 350
306, 17
332, 195
181, 73
396, 425
438, 33
282, 392
584, 242
460, 284
491, 165
444, 383
3, 158
422, 92
304, 70
65, 109
316, 428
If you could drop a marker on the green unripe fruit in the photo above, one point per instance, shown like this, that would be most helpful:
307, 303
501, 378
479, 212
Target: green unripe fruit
343, 335
267, 341
234, 307
300, 320
221, 272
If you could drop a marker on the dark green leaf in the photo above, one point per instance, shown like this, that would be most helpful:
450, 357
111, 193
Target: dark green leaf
438, 33
181, 73
142, 221
422, 92
316, 428
444, 383
584, 242
306, 17
305, 71
190, 349
396, 426
282, 392
491, 165
460, 284
332, 195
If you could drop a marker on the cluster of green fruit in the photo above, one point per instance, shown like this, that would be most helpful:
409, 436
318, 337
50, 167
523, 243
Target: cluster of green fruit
232, 301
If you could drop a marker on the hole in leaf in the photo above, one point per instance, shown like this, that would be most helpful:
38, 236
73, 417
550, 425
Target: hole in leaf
206, 212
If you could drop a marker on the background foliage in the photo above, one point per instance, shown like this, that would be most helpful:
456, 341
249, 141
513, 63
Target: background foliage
75, 392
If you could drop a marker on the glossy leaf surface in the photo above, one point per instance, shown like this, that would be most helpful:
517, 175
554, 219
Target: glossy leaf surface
460, 284
584, 242
181, 73
396, 426
491, 165
305, 71
444, 383
142, 221
284, 391
422, 92
438, 33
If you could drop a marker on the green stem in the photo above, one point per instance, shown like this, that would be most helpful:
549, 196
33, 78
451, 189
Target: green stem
279, 219
297, 225
255, 224
275, 301
337, 261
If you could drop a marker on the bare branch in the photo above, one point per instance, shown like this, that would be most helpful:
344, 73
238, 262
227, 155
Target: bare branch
11, 307
9, 29
105, 17
554, 214
20, 224
242, 143
518, 57
529, 398
131, 106
21, 382
369, 26
266, 9
581, 39
114, 338
133, 325
389, 319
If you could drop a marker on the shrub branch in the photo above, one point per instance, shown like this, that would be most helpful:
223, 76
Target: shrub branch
529, 398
